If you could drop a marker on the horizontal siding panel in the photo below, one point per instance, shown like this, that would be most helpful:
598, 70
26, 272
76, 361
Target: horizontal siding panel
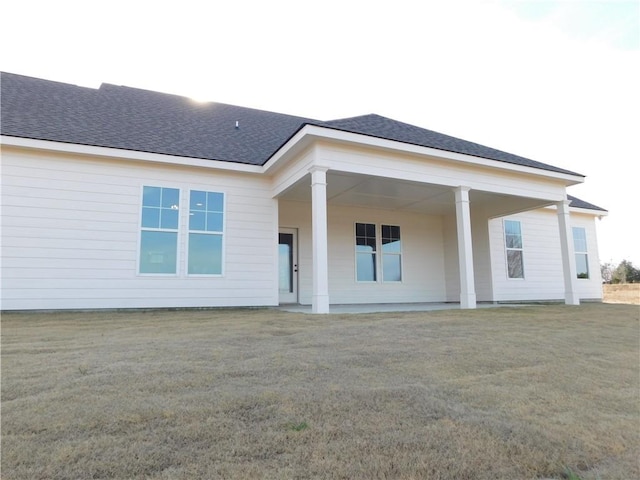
69, 225
131, 217
52, 244
71, 229
78, 233
25, 194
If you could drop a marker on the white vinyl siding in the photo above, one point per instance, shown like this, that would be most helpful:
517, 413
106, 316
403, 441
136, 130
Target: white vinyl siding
543, 260
422, 243
71, 231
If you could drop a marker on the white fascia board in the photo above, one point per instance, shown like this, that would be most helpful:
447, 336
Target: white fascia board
123, 154
585, 211
360, 139
588, 211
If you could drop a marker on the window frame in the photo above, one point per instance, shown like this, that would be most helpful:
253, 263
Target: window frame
584, 252
378, 253
142, 228
374, 253
221, 233
507, 249
397, 254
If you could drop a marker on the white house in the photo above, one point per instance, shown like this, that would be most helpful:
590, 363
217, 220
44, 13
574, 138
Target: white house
118, 197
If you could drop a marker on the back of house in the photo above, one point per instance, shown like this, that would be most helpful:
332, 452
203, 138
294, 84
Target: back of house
118, 197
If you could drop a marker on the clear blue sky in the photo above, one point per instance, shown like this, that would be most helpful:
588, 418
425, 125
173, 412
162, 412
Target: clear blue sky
556, 81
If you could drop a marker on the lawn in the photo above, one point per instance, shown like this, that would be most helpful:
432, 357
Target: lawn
501, 393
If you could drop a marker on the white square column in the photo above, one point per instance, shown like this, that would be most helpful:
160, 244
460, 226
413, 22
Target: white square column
320, 292
465, 248
568, 255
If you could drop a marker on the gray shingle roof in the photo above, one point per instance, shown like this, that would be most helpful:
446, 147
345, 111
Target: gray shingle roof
577, 203
141, 120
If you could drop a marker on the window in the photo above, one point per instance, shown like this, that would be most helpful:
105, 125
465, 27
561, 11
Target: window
159, 230
391, 254
513, 243
580, 250
206, 225
366, 252
367, 248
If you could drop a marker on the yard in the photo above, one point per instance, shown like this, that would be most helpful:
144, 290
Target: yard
511, 393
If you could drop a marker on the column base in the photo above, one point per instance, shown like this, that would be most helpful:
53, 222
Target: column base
320, 304
571, 298
468, 301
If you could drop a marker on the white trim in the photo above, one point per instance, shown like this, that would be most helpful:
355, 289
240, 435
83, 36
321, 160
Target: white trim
188, 232
299, 141
465, 248
568, 255
506, 250
91, 150
319, 240
178, 231
315, 132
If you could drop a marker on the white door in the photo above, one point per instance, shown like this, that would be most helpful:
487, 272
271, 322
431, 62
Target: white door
288, 265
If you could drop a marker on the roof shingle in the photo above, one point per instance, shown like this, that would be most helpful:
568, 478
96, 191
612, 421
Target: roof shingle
142, 120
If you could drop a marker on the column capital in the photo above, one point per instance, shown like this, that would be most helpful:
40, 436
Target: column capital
318, 168
461, 193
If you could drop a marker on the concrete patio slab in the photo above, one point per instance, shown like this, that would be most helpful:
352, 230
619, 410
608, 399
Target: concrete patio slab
385, 307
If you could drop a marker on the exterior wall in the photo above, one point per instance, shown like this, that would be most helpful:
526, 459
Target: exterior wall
543, 279
70, 227
422, 255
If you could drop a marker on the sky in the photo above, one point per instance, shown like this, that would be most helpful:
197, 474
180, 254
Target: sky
555, 81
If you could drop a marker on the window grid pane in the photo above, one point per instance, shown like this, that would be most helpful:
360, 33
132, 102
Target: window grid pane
159, 230
366, 252
391, 254
206, 217
514, 249
580, 251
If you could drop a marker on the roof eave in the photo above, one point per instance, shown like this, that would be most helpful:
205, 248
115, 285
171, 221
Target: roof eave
96, 151
309, 132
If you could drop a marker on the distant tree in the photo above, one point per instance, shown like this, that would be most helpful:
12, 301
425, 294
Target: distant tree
625, 272
606, 270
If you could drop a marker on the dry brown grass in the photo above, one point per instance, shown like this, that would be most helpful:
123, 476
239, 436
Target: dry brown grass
622, 293
513, 393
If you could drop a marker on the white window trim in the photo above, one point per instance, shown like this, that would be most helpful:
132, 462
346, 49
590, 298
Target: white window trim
355, 257
379, 256
223, 233
140, 229
506, 255
576, 252
382, 254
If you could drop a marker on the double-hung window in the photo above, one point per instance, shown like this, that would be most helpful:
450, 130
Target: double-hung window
513, 244
391, 254
367, 249
159, 230
206, 228
580, 250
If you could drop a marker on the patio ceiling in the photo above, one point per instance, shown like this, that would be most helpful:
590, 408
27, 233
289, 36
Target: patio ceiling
384, 193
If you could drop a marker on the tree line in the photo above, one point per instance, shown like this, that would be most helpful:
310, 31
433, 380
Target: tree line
624, 272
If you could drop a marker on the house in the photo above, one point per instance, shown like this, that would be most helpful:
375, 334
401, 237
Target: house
125, 198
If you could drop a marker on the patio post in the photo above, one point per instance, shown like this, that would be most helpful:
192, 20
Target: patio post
568, 257
320, 293
465, 248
